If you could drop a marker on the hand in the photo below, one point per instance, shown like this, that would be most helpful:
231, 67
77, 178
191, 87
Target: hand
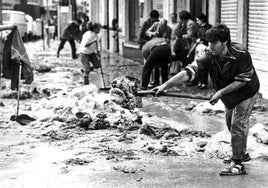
159, 89
215, 98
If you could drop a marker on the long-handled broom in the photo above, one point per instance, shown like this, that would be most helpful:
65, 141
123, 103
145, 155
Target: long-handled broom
102, 74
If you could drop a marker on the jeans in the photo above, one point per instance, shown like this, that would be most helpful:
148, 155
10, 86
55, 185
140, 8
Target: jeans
203, 76
237, 120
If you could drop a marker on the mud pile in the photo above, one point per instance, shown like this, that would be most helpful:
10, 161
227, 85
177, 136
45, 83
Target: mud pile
64, 116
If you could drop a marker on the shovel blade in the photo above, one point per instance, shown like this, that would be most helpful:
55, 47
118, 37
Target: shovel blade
24, 119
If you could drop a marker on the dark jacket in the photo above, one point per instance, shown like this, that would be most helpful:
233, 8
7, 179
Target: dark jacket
201, 33
142, 38
71, 31
178, 30
14, 52
235, 66
161, 31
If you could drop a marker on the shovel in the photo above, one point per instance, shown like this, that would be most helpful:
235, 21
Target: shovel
172, 94
102, 74
22, 119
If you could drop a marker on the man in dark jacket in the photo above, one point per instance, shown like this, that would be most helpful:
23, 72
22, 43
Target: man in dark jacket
70, 33
143, 38
237, 84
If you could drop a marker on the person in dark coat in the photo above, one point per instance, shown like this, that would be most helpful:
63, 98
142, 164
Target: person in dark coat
70, 33
2, 42
142, 37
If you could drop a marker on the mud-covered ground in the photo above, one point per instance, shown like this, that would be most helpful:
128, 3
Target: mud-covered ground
170, 141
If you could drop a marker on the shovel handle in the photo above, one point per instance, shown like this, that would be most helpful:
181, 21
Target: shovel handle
18, 93
145, 92
172, 94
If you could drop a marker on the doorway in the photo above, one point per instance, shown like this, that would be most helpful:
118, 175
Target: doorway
198, 7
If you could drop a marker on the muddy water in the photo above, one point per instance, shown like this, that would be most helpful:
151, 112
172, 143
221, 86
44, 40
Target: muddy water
114, 66
199, 122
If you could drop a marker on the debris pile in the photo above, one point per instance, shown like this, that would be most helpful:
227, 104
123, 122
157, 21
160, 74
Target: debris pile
123, 92
169, 133
260, 131
66, 115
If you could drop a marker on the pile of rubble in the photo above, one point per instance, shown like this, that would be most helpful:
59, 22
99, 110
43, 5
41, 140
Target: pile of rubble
63, 115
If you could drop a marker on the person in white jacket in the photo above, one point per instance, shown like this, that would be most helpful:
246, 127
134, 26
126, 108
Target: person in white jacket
89, 52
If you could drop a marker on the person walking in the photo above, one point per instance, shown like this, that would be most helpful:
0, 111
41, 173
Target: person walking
89, 52
55, 24
70, 32
236, 82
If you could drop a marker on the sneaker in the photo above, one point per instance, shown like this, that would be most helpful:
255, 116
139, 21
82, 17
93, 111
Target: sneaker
245, 159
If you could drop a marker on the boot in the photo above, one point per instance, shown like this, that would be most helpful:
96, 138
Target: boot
86, 81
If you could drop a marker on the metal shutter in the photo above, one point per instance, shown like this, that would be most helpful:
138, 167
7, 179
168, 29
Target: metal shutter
229, 16
257, 33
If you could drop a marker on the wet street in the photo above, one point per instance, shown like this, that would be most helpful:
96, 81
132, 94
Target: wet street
54, 153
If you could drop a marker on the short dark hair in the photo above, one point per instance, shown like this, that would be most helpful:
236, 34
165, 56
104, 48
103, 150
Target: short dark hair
154, 14
184, 15
79, 21
202, 17
219, 33
92, 26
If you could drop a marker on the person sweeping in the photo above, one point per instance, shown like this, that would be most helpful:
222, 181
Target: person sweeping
236, 83
89, 53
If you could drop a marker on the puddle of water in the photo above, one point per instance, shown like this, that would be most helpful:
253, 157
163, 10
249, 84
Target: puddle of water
192, 120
